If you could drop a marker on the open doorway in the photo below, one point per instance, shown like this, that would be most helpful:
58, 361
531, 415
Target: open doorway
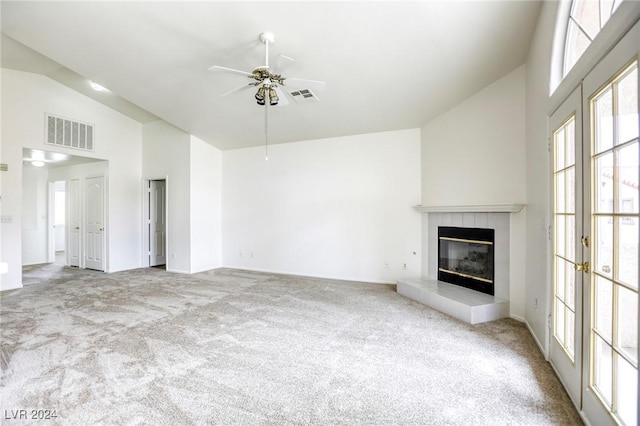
58, 214
63, 201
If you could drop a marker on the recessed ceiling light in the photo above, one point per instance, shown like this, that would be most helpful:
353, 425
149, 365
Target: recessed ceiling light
98, 88
37, 163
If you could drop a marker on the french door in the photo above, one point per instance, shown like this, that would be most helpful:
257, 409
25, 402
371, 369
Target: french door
594, 333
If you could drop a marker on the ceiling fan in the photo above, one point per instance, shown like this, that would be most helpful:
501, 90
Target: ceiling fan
267, 82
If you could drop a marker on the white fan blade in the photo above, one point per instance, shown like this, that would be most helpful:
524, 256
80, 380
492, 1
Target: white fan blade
230, 70
282, 63
238, 89
301, 83
282, 98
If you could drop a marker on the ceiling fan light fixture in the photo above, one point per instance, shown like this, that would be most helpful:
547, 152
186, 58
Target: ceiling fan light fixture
273, 96
37, 163
260, 95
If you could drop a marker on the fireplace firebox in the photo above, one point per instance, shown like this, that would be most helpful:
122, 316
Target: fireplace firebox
465, 257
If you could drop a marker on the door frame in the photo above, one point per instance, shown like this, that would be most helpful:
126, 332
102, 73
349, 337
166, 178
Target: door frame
51, 221
146, 237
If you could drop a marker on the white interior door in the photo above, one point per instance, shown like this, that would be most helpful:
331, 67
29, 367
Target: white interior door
94, 223
73, 228
157, 223
569, 254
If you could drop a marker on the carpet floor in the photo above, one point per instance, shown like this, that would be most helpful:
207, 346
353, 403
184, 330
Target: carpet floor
237, 347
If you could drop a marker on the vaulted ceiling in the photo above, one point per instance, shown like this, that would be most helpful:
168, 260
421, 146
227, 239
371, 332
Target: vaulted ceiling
388, 65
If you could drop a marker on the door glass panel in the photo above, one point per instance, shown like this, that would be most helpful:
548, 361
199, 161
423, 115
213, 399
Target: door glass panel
627, 249
603, 245
627, 185
560, 322
560, 193
603, 202
603, 307
603, 106
570, 237
562, 271
627, 108
603, 368
627, 392
628, 320
570, 191
560, 148
571, 324
570, 298
561, 237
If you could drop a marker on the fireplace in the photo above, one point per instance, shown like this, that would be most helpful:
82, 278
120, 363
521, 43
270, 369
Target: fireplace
466, 257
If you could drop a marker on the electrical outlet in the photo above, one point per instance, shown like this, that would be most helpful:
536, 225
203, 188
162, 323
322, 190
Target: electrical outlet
240, 253
386, 264
404, 266
6, 218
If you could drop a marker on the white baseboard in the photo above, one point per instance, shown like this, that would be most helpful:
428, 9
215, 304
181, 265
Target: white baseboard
297, 274
540, 345
518, 318
178, 271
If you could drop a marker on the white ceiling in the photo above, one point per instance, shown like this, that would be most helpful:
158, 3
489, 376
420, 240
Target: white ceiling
388, 65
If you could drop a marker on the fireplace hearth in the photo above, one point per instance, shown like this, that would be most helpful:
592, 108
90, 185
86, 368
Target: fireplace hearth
466, 257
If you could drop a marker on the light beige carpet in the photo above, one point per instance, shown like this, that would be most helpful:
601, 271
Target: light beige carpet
236, 347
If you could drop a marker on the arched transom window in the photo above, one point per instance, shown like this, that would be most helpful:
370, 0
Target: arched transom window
586, 19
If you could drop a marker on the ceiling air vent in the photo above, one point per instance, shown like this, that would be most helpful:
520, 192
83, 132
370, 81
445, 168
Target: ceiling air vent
303, 96
69, 133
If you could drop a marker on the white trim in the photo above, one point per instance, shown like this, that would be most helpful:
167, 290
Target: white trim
177, 271
324, 277
474, 208
518, 318
540, 346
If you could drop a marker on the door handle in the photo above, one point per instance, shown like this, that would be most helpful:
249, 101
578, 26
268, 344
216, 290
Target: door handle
77, 227
101, 229
584, 267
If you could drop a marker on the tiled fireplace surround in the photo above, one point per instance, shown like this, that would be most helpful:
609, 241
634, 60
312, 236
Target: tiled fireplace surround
462, 303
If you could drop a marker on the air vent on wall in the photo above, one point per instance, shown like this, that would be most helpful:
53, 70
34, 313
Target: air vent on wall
69, 133
303, 96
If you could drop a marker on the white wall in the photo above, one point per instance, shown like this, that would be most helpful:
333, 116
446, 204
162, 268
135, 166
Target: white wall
26, 98
538, 175
206, 206
332, 208
34, 216
475, 154
166, 155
